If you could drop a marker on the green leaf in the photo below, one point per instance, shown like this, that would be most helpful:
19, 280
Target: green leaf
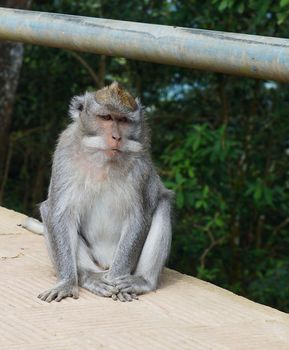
191, 172
218, 221
205, 191
240, 8
284, 3
201, 204
223, 5
179, 178
197, 142
180, 199
281, 17
258, 192
268, 195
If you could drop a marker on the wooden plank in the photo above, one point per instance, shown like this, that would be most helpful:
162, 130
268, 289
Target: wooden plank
185, 313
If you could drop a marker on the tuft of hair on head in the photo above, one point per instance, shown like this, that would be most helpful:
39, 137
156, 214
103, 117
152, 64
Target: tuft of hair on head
117, 97
76, 106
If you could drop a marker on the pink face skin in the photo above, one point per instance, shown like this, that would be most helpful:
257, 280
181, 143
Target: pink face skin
113, 127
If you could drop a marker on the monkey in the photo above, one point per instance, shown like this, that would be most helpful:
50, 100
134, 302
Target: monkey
107, 216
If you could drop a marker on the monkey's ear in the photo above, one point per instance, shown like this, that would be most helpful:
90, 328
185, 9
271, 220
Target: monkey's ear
138, 103
138, 114
76, 106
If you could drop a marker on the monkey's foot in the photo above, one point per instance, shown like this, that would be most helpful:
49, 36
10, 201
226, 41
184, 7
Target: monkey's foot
60, 291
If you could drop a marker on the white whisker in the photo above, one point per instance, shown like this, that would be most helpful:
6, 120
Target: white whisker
131, 146
96, 142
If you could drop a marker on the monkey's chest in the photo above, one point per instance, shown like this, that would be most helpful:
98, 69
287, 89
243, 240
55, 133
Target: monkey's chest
104, 222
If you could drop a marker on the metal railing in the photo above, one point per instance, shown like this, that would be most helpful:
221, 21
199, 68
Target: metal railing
241, 54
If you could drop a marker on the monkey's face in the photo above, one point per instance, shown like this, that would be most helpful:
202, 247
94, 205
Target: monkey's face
108, 124
112, 133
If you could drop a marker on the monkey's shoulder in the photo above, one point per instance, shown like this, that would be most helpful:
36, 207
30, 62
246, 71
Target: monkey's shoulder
146, 178
68, 137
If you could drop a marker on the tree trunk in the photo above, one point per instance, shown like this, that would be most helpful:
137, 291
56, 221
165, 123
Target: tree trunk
11, 54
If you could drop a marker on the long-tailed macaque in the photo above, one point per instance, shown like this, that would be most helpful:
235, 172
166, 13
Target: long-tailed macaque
107, 216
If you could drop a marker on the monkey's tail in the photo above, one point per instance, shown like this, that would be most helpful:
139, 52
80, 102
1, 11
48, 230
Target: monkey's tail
34, 226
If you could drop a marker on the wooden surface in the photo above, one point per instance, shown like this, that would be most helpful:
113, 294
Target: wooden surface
185, 313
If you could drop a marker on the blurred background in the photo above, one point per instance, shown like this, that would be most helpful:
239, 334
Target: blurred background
220, 142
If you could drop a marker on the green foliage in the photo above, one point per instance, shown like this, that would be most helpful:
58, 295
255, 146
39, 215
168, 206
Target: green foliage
219, 142
228, 210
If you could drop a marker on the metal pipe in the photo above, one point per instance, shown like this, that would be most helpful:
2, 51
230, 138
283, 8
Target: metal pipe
241, 54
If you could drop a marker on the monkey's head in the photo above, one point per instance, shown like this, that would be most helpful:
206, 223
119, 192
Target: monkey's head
111, 121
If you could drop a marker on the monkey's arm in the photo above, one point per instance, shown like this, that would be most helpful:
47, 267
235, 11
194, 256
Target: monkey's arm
60, 229
141, 256
130, 245
127, 255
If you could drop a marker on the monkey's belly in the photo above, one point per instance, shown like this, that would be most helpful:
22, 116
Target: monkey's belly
102, 228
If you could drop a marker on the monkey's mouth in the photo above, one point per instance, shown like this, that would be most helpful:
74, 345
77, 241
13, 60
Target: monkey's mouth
113, 152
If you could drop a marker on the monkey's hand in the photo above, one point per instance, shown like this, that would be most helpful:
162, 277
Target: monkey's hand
129, 287
62, 290
97, 284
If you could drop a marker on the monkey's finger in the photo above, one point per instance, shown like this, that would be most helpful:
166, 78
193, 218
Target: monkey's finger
121, 297
108, 288
127, 296
43, 296
110, 282
134, 296
124, 285
105, 293
62, 295
51, 296
45, 293
114, 297
126, 289
112, 289
75, 294
101, 290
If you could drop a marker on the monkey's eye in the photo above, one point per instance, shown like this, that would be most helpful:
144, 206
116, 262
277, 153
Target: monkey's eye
123, 120
106, 117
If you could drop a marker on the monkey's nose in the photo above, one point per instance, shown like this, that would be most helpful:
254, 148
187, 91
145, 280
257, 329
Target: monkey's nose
116, 137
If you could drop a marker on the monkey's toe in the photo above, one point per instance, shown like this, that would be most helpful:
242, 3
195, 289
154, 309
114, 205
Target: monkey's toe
48, 295
59, 292
62, 295
43, 296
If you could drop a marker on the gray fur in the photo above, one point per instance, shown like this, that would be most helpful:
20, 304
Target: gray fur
107, 222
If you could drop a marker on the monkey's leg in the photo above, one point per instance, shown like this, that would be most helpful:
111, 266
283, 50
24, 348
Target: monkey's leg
61, 236
153, 255
90, 275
